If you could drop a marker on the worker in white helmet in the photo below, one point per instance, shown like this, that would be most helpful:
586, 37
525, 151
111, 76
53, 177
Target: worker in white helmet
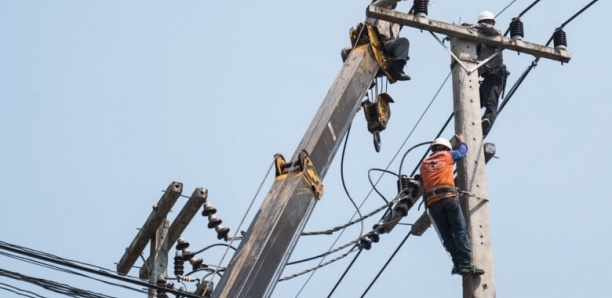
442, 201
493, 72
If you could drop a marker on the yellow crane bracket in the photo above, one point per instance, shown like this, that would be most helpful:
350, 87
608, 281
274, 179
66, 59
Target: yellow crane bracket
377, 114
303, 166
378, 49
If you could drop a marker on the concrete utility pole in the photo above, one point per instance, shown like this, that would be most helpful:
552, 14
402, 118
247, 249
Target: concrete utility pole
471, 174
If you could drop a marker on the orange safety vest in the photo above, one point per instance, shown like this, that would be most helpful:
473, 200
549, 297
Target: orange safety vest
437, 172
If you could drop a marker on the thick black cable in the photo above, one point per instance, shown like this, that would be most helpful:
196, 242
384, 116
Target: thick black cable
346, 138
578, 13
385, 266
38, 255
52, 285
345, 272
68, 271
21, 291
515, 86
569, 20
374, 185
399, 173
502, 11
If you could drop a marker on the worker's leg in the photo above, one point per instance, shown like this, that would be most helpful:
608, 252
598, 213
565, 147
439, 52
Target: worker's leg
459, 231
438, 211
490, 90
398, 48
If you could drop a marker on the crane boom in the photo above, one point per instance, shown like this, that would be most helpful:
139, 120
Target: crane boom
269, 241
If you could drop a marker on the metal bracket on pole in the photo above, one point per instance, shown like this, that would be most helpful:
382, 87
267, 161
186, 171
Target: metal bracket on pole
303, 166
469, 71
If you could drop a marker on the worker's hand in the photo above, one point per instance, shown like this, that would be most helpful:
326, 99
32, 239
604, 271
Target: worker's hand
467, 24
460, 138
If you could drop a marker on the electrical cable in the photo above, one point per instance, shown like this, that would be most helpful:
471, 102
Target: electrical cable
345, 272
502, 11
319, 266
52, 285
374, 185
64, 270
342, 227
20, 291
346, 138
385, 266
65, 262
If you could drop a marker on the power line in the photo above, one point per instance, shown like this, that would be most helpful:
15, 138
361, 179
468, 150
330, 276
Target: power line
53, 286
64, 262
20, 291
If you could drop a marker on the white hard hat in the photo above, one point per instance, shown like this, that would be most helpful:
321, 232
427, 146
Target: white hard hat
443, 142
486, 15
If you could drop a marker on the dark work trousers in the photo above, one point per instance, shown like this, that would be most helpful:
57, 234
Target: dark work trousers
490, 90
448, 218
397, 48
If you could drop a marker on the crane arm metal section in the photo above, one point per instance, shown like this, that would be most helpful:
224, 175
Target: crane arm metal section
261, 257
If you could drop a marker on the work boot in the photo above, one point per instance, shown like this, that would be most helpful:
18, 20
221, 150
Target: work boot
470, 270
397, 70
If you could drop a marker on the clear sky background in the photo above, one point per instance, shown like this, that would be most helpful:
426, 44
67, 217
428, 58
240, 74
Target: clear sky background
105, 103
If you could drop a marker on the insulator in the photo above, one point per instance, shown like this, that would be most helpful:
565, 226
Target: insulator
179, 264
365, 242
560, 39
222, 232
197, 263
209, 209
420, 8
187, 254
516, 29
161, 293
402, 183
213, 221
186, 278
380, 227
374, 236
401, 208
181, 244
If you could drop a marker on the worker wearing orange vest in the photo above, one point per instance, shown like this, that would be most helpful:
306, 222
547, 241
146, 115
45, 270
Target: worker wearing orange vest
442, 202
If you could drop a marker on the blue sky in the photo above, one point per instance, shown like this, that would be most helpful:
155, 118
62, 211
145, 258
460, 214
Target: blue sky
107, 102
